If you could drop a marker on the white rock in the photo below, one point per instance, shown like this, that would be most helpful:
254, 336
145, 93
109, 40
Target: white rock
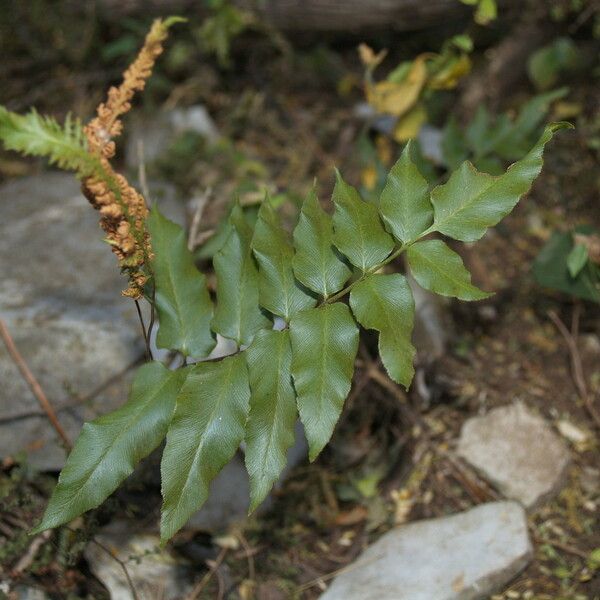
154, 572
516, 451
466, 556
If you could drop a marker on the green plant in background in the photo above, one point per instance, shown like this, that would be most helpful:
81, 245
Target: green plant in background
546, 65
578, 10
491, 141
570, 263
486, 11
336, 274
218, 30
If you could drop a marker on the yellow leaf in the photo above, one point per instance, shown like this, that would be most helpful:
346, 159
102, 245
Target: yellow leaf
368, 177
409, 125
398, 98
566, 110
383, 147
448, 77
368, 56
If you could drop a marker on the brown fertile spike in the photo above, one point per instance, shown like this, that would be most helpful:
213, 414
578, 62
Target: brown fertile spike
122, 208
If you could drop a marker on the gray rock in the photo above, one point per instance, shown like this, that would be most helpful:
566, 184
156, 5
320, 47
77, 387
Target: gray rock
60, 295
159, 132
466, 556
12, 591
430, 140
227, 501
30, 593
165, 196
517, 451
432, 323
154, 572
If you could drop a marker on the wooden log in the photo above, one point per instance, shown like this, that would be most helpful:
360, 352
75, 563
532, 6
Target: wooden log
355, 16
338, 16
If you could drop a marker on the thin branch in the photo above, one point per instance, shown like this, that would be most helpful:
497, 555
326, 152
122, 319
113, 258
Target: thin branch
561, 546
248, 553
33, 384
323, 578
576, 364
395, 254
195, 593
387, 384
29, 556
121, 564
194, 234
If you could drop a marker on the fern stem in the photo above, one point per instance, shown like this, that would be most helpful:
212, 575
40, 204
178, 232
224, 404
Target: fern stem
395, 254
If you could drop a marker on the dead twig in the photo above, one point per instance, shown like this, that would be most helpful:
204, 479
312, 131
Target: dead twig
121, 564
584, 16
29, 556
561, 546
33, 384
570, 338
323, 578
213, 568
374, 373
194, 238
248, 553
477, 491
79, 399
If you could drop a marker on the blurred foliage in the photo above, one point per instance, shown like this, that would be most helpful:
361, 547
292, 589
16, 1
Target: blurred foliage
570, 263
486, 11
546, 65
490, 141
218, 30
578, 11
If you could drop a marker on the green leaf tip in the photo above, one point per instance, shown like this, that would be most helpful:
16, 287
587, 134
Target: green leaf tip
174, 20
182, 300
324, 346
64, 145
440, 270
206, 429
472, 201
108, 449
273, 413
558, 125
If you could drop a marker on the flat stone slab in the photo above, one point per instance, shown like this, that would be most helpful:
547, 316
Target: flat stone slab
60, 295
517, 452
466, 556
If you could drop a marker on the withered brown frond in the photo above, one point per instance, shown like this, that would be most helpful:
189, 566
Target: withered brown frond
122, 208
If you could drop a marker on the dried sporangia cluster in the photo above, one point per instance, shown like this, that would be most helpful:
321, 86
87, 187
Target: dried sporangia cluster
123, 208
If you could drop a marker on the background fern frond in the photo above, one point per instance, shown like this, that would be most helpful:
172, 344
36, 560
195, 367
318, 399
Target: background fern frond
37, 135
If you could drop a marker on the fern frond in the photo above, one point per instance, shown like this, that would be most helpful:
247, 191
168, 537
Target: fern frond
37, 135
